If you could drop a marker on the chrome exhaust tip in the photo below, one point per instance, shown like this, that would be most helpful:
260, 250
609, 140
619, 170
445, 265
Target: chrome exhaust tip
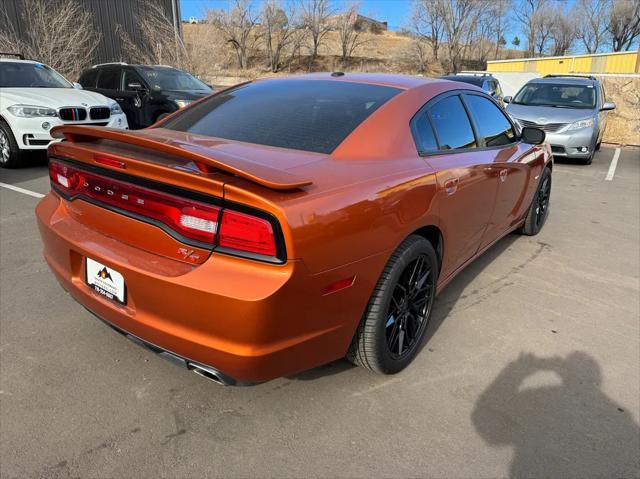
207, 373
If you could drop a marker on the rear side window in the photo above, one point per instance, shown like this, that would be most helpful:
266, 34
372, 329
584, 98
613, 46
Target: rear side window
309, 115
109, 79
491, 123
88, 78
425, 137
451, 123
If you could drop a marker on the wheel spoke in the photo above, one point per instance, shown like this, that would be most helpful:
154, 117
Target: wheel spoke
400, 341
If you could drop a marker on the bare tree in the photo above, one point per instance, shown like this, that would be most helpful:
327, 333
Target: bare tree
59, 33
500, 10
542, 24
459, 22
624, 24
526, 13
591, 22
426, 23
160, 42
280, 27
316, 18
563, 34
350, 36
238, 26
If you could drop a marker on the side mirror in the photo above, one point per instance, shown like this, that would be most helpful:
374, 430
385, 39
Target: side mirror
135, 86
507, 99
77, 86
608, 106
533, 136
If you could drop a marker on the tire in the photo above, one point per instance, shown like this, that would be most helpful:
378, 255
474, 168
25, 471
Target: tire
598, 146
539, 209
391, 315
588, 161
10, 154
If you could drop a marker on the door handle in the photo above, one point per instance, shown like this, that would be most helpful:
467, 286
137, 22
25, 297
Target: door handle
119, 99
451, 185
503, 174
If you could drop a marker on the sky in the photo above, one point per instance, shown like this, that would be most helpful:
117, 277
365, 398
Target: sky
395, 12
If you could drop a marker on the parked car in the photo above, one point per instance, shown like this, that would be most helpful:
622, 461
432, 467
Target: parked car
572, 110
486, 81
286, 223
34, 98
193, 20
145, 93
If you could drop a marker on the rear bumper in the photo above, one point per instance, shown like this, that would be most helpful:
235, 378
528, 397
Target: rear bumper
249, 321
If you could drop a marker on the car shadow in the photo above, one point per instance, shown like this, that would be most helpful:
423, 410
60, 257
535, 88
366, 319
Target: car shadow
443, 305
564, 428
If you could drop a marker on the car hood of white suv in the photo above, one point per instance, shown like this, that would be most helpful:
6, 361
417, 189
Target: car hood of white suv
52, 97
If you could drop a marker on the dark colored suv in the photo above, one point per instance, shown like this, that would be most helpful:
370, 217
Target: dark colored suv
487, 82
145, 93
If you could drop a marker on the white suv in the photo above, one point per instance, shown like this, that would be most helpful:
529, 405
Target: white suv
34, 98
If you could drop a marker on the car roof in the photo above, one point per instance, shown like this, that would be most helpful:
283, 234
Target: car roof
402, 82
472, 79
568, 80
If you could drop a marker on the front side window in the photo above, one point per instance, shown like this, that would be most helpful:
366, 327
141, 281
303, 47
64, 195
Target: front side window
309, 115
109, 79
491, 123
131, 77
451, 124
170, 79
557, 95
30, 75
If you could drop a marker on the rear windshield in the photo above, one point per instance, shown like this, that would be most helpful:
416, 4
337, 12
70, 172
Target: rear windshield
309, 115
559, 96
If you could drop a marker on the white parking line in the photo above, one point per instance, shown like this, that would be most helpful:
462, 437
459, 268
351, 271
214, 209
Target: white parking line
21, 190
612, 166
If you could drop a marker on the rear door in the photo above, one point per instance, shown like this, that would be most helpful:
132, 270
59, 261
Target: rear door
109, 82
509, 161
134, 97
467, 187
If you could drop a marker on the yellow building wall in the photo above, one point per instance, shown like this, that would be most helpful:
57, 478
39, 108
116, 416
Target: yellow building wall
627, 62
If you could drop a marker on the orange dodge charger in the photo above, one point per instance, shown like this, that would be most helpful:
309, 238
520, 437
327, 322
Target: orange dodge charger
285, 223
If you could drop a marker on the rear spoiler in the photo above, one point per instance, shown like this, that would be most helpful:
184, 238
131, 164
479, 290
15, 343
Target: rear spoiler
249, 170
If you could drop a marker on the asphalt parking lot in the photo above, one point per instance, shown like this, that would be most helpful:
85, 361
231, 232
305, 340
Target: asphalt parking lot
532, 368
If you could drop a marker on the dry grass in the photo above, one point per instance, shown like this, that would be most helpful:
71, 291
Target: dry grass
623, 124
389, 52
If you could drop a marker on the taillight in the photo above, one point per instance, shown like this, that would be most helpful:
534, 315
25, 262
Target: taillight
191, 219
235, 232
248, 233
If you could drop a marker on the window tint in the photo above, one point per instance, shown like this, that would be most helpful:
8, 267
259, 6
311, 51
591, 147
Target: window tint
131, 76
88, 78
452, 125
491, 123
109, 79
311, 115
424, 134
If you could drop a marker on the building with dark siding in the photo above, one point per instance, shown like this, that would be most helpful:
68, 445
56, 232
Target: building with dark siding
107, 14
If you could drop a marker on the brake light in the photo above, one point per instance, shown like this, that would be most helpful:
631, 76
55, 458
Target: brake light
248, 233
192, 220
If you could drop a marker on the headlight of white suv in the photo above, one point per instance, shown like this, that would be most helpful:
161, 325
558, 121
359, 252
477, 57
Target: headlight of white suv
586, 123
115, 109
31, 111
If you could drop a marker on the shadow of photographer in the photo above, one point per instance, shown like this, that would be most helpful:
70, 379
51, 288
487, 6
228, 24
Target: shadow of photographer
566, 429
